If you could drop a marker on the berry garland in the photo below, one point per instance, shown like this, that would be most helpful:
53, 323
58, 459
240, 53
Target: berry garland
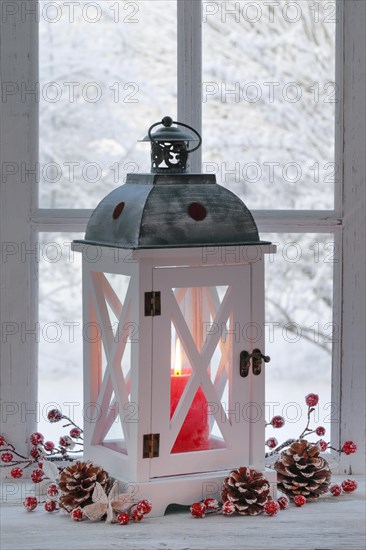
311, 400
48, 477
42, 450
104, 506
119, 508
271, 507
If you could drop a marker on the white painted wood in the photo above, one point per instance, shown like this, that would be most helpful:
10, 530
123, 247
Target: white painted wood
189, 14
150, 372
234, 429
18, 289
114, 347
92, 359
352, 424
184, 490
60, 219
142, 370
204, 256
336, 356
54, 219
338, 107
333, 523
99, 386
256, 413
297, 220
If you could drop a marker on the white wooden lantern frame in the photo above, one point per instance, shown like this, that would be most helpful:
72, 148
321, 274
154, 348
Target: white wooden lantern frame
136, 397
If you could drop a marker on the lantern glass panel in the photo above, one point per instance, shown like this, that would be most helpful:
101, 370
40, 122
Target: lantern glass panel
114, 287
199, 307
112, 316
195, 378
198, 359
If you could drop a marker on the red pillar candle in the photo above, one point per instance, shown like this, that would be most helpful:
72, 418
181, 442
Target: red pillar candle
194, 433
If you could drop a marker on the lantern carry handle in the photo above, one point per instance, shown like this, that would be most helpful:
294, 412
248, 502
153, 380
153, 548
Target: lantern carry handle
167, 122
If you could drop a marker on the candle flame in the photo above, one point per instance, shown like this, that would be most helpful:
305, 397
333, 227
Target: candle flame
178, 358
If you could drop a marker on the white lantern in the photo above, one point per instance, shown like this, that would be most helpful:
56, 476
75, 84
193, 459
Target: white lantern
173, 298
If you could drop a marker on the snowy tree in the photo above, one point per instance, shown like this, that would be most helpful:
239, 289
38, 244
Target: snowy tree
268, 103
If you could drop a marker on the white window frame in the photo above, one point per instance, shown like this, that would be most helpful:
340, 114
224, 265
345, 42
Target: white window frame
21, 220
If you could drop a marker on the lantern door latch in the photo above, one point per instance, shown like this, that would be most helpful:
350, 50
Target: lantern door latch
152, 304
151, 444
256, 357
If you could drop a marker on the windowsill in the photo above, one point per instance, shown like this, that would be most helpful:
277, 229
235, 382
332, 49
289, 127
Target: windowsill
334, 522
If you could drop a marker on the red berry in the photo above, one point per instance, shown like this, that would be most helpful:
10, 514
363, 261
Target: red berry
75, 433
2, 441
49, 445
198, 510
123, 518
144, 506
66, 441
323, 445
50, 506
37, 476
312, 399
228, 508
278, 421
211, 503
77, 514
54, 415
30, 503
52, 490
16, 473
349, 485
271, 508
136, 515
7, 456
35, 453
335, 490
283, 502
299, 500
36, 439
272, 442
320, 430
349, 447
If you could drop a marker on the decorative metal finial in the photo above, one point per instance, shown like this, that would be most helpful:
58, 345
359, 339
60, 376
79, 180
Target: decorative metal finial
169, 146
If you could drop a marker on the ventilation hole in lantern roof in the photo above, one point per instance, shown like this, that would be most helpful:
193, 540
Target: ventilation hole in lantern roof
118, 210
197, 211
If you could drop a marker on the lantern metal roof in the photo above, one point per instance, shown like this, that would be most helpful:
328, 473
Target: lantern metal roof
171, 209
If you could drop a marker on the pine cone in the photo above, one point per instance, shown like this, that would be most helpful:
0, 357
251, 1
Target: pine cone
301, 471
247, 489
77, 484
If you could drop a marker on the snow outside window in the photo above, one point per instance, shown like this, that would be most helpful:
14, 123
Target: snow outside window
268, 95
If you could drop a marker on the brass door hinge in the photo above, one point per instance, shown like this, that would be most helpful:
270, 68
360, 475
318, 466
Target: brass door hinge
151, 445
152, 304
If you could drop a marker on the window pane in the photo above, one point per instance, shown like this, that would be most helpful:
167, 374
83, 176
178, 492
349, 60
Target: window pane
269, 99
107, 72
60, 381
299, 329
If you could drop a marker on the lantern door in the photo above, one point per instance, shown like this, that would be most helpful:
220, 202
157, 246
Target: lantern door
198, 395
